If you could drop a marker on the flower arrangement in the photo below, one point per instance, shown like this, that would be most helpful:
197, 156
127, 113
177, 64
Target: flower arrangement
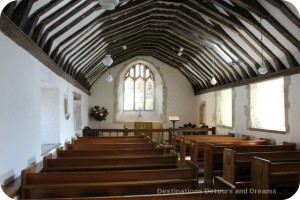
99, 114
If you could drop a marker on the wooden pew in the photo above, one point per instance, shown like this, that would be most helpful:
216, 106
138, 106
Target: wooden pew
133, 180
111, 163
278, 177
175, 138
100, 140
39, 191
198, 142
237, 162
109, 152
198, 153
213, 156
112, 137
220, 195
111, 146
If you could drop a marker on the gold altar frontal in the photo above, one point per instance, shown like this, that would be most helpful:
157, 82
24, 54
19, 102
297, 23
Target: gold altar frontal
158, 136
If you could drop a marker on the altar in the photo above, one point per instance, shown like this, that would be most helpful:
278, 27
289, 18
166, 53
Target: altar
158, 136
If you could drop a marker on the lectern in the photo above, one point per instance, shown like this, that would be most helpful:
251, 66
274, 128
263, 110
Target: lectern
173, 119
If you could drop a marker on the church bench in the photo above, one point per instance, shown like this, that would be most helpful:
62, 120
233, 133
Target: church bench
213, 155
245, 182
97, 140
177, 196
237, 163
111, 146
198, 153
61, 190
175, 138
279, 178
109, 152
111, 137
198, 142
114, 163
190, 172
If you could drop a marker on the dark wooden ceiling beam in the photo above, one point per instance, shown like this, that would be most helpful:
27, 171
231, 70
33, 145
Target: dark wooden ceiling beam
165, 58
164, 47
143, 48
248, 5
78, 35
286, 11
255, 7
199, 25
91, 44
115, 28
59, 22
242, 13
210, 30
34, 18
227, 78
38, 31
21, 12
236, 23
170, 46
187, 27
8, 10
48, 45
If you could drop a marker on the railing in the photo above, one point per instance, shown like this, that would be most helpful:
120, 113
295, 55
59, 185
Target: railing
126, 131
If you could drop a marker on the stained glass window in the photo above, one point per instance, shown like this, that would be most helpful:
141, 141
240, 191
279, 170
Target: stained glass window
139, 88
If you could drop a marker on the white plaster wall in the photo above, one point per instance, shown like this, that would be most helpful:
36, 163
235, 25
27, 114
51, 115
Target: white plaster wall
50, 130
240, 118
20, 108
180, 96
210, 101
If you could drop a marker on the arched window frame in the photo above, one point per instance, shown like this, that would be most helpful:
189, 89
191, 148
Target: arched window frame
139, 72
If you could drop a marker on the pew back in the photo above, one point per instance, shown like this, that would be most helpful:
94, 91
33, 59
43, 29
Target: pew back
279, 178
109, 152
198, 142
237, 165
111, 163
213, 155
111, 146
99, 140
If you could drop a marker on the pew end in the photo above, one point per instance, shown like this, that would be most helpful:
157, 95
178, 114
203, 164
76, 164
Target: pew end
221, 184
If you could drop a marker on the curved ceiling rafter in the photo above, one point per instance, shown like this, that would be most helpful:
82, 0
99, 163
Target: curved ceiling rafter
219, 34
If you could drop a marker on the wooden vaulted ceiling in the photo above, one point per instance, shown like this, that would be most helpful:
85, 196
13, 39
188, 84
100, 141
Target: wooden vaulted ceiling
217, 36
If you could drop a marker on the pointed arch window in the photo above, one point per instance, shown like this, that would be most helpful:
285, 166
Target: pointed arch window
139, 88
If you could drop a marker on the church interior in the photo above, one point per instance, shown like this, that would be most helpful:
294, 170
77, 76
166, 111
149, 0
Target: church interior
150, 99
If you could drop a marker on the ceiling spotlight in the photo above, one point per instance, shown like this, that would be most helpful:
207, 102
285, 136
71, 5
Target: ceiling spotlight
179, 53
124, 47
181, 49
